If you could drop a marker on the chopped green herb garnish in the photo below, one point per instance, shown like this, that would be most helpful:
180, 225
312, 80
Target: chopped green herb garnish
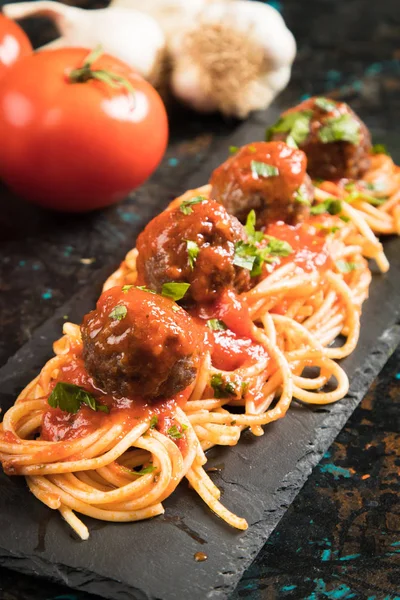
379, 149
193, 251
118, 313
262, 169
326, 230
350, 186
186, 206
277, 247
345, 218
69, 397
358, 195
126, 288
346, 267
233, 149
144, 289
245, 387
174, 433
252, 149
250, 257
174, 290
250, 227
245, 255
153, 421
325, 104
340, 129
301, 198
216, 325
145, 471
333, 206
295, 124
222, 388
176, 308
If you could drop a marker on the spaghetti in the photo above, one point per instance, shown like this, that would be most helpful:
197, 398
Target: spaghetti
261, 344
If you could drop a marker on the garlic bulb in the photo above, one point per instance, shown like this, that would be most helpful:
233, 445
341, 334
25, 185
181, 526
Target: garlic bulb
171, 15
130, 35
235, 59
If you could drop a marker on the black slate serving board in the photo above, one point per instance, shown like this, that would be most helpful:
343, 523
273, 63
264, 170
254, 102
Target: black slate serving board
260, 477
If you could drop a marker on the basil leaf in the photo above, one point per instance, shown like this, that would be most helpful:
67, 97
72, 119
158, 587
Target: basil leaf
118, 313
340, 129
344, 218
222, 388
278, 247
263, 169
174, 433
193, 251
69, 397
153, 421
250, 227
175, 290
379, 149
290, 142
245, 255
186, 205
325, 104
346, 267
145, 471
333, 206
216, 325
233, 149
295, 124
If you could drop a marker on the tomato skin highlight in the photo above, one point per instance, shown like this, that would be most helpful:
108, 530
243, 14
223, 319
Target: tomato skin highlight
77, 146
14, 44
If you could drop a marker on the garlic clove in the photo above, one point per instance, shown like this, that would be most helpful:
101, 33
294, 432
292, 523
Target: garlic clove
185, 77
130, 35
235, 59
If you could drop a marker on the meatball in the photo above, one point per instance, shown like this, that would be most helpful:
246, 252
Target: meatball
140, 344
269, 177
337, 143
192, 243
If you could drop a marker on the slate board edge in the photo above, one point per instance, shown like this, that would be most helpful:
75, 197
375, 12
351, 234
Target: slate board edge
291, 485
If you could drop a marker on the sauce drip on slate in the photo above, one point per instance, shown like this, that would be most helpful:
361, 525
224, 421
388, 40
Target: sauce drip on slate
200, 556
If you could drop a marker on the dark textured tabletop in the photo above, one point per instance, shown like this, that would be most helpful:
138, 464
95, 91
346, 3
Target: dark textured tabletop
341, 537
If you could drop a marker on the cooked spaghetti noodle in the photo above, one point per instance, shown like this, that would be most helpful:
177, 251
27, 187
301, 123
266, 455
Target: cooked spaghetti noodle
115, 457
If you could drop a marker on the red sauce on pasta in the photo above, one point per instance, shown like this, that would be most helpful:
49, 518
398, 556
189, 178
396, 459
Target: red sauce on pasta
308, 242
233, 347
61, 425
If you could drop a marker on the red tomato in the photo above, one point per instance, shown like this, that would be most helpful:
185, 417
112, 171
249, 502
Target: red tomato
14, 44
77, 146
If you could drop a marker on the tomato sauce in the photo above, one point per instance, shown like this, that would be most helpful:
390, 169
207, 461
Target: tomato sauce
308, 242
60, 425
235, 346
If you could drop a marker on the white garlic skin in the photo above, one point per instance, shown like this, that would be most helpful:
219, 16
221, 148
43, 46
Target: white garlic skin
130, 35
258, 22
171, 15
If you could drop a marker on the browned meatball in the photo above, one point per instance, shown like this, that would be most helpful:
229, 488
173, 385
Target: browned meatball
140, 344
269, 177
337, 143
193, 243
